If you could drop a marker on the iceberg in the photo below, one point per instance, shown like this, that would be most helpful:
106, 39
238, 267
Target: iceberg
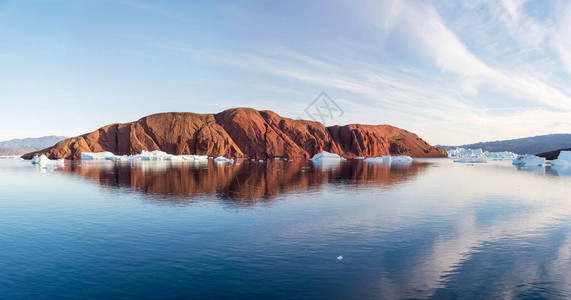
478, 153
359, 157
326, 156
387, 159
500, 155
463, 153
563, 160
45, 161
221, 159
143, 156
528, 160
96, 155
326, 161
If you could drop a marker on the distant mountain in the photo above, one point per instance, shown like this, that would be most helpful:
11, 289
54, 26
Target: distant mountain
36, 143
15, 151
528, 145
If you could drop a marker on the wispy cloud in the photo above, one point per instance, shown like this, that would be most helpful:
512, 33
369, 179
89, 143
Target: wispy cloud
452, 71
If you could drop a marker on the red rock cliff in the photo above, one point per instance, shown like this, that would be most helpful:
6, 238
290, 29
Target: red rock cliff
242, 132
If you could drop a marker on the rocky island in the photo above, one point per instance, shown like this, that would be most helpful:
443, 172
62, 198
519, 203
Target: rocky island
242, 132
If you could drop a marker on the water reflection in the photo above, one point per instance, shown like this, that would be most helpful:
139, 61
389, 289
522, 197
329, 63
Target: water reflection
406, 232
244, 181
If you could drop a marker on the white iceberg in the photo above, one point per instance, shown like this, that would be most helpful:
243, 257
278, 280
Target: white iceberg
500, 155
45, 161
464, 153
151, 156
528, 160
143, 156
221, 159
96, 155
478, 153
359, 157
326, 156
388, 159
377, 160
563, 160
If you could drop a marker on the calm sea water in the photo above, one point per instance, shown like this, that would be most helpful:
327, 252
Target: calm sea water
275, 230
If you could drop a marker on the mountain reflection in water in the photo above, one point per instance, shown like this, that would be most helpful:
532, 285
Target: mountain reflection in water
243, 182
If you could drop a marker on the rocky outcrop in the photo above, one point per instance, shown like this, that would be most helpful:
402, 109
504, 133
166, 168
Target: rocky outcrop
242, 132
551, 155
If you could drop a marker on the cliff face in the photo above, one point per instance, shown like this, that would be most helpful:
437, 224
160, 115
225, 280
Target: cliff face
242, 132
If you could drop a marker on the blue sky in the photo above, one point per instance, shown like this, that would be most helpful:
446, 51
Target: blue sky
451, 71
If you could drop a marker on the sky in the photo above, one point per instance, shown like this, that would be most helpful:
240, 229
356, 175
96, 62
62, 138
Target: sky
454, 72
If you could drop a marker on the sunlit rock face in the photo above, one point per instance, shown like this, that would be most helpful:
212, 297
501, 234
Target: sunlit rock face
242, 132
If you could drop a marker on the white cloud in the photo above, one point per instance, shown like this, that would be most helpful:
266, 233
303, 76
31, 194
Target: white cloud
561, 38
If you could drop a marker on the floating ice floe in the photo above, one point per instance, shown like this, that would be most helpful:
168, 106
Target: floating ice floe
221, 159
45, 161
340, 257
478, 153
528, 160
563, 160
143, 156
387, 159
359, 157
326, 156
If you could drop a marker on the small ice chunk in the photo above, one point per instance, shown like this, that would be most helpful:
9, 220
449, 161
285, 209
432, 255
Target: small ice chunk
528, 160
340, 257
359, 157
